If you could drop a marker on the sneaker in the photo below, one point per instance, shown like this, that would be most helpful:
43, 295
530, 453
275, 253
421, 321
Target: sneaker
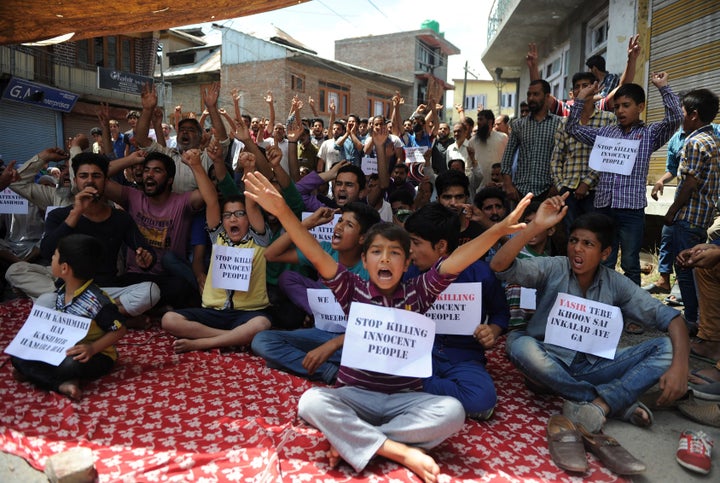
694, 451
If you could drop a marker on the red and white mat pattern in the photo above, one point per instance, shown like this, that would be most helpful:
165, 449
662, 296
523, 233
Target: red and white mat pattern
224, 417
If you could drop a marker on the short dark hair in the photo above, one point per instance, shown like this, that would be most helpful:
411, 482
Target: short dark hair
389, 231
166, 160
317, 119
434, 222
596, 61
633, 91
402, 166
403, 196
452, 178
490, 192
487, 114
364, 120
234, 198
351, 168
357, 118
601, 225
457, 160
496, 165
703, 101
532, 208
98, 160
588, 76
545, 85
83, 253
245, 117
365, 214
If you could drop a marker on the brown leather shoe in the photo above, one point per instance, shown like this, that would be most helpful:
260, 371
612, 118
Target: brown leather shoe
616, 458
565, 444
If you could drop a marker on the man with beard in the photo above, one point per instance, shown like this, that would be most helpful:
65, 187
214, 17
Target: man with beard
164, 219
488, 144
439, 148
350, 142
189, 135
318, 132
91, 214
331, 152
461, 150
533, 137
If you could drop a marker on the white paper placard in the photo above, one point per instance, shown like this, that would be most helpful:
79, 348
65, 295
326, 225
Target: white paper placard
389, 341
369, 165
528, 298
323, 233
415, 155
584, 325
612, 155
329, 316
11, 202
458, 309
231, 267
47, 335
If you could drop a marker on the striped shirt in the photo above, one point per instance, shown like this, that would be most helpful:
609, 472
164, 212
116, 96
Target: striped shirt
535, 143
570, 158
416, 294
700, 158
617, 190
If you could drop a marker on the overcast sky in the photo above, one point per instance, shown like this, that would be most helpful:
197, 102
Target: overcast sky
318, 23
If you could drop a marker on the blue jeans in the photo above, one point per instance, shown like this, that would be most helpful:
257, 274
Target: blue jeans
619, 382
577, 207
467, 381
685, 235
630, 226
666, 256
285, 350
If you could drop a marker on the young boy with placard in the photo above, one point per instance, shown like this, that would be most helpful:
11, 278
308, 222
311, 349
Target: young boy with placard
235, 294
570, 344
315, 352
469, 315
375, 413
87, 312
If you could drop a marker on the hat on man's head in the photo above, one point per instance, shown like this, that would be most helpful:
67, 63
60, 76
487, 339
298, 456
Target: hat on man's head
134, 114
96, 130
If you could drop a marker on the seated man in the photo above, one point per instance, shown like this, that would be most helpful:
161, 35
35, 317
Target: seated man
459, 360
227, 317
593, 387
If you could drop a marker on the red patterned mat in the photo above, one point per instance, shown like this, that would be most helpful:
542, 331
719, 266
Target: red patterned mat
212, 417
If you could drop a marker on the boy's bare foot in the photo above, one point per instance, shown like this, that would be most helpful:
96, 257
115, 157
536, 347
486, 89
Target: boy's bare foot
705, 376
334, 457
19, 376
413, 458
184, 345
71, 389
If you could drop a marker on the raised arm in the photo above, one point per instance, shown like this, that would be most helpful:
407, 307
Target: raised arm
235, 92
157, 126
264, 193
103, 115
283, 250
550, 213
210, 98
294, 132
471, 251
311, 103
628, 74
531, 59
379, 137
271, 107
397, 101
149, 98
206, 189
243, 135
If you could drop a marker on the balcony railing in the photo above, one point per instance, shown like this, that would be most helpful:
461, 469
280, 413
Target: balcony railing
498, 12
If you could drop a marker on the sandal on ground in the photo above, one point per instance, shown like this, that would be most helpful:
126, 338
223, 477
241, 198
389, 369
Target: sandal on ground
634, 328
566, 445
590, 415
702, 413
616, 458
655, 289
674, 301
632, 417
708, 392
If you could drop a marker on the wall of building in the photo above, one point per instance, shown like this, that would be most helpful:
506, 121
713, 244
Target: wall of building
392, 54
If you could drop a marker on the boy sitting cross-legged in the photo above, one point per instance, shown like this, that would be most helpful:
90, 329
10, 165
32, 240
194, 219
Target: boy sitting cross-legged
594, 387
228, 317
371, 413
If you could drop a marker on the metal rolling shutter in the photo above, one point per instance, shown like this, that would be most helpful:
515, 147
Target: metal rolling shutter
26, 130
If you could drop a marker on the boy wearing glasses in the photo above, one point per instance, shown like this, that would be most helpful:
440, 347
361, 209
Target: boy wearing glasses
227, 317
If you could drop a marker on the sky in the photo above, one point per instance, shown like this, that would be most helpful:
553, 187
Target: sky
318, 23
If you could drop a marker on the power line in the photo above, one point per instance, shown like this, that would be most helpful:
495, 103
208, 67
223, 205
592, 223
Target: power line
376, 8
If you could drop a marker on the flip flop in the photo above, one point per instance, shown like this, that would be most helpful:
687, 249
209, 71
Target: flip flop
566, 445
674, 301
631, 417
702, 413
707, 392
655, 289
616, 458
707, 379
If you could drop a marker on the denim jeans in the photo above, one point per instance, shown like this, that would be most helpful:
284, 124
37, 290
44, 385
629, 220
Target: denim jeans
666, 255
577, 207
285, 350
630, 225
619, 382
467, 381
685, 235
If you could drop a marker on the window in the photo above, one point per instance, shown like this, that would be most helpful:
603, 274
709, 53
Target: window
596, 35
556, 70
297, 82
378, 104
475, 102
508, 100
427, 58
334, 93
113, 52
